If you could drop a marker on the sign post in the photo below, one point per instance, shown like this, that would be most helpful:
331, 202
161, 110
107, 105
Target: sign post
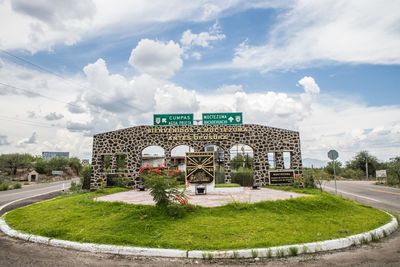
222, 118
333, 155
172, 119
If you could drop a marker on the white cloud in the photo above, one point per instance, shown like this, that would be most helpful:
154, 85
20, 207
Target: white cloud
42, 24
4, 140
156, 58
53, 116
28, 141
202, 39
55, 15
309, 85
312, 33
230, 89
175, 99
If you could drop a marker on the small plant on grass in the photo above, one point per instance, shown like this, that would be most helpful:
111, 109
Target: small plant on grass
269, 253
254, 253
207, 256
304, 250
280, 253
17, 185
374, 237
75, 187
364, 241
385, 234
293, 251
235, 254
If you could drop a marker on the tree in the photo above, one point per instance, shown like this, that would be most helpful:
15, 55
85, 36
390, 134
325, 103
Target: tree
359, 162
12, 162
242, 161
329, 167
394, 168
75, 164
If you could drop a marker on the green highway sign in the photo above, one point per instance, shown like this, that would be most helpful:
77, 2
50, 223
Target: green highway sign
222, 118
172, 119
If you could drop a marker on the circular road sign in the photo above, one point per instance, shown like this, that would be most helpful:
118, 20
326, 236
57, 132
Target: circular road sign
333, 154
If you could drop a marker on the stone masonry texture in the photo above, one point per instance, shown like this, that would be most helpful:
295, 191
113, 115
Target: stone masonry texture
130, 142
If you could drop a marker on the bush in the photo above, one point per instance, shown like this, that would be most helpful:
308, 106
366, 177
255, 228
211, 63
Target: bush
4, 187
352, 174
180, 177
163, 189
86, 174
75, 187
113, 180
244, 177
309, 182
219, 177
17, 185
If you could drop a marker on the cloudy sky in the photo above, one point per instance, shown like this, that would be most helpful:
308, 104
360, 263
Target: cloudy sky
329, 69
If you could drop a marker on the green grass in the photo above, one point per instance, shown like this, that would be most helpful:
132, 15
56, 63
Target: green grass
234, 226
227, 185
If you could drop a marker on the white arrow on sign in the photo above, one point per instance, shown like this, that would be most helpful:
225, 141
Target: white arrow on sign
230, 119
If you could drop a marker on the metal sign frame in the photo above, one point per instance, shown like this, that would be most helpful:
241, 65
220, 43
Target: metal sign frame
227, 118
199, 166
172, 119
287, 179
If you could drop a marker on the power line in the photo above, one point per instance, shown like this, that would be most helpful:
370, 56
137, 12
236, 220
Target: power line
44, 96
61, 77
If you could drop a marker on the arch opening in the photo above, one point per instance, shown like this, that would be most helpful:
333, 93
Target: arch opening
153, 156
242, 164
219, 162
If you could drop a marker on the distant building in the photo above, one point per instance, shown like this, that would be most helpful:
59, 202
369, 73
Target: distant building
50, 155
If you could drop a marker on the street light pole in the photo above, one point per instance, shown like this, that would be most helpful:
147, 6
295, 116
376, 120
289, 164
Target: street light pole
366, 167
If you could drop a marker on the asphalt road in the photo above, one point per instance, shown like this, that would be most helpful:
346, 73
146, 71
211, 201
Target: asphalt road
15, 252
367, 192
32, 190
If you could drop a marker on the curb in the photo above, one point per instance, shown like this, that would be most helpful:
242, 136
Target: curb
279, 251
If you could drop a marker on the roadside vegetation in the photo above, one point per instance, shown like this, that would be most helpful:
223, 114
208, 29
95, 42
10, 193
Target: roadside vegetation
355, 169
14, 169
78, 217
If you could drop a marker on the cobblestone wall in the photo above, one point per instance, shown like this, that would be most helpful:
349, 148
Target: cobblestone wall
132, 141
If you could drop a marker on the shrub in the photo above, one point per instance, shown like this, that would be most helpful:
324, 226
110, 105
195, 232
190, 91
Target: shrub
17, 185
293, 251
309, 182
164, 189
352, 174
244, 177
75, 187
4, 187
86, 174
219, 177
117, 181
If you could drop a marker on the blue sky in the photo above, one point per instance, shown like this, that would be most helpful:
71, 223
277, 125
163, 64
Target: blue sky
290, 64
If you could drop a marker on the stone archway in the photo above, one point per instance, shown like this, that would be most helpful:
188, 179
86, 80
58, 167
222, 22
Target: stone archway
132, 141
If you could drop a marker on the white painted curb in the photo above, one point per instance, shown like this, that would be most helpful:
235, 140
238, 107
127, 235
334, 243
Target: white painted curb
241, 253
279, 251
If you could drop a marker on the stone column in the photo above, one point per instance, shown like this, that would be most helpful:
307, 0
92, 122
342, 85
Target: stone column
227, 166
279, 160
114, 165
97, 177
167, 157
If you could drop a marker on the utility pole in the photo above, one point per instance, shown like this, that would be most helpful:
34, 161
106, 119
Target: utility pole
366, 167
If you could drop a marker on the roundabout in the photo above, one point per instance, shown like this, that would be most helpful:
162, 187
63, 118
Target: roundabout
319, 222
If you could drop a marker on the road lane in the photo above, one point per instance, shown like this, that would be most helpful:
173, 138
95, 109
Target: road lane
32, 190
368, 192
